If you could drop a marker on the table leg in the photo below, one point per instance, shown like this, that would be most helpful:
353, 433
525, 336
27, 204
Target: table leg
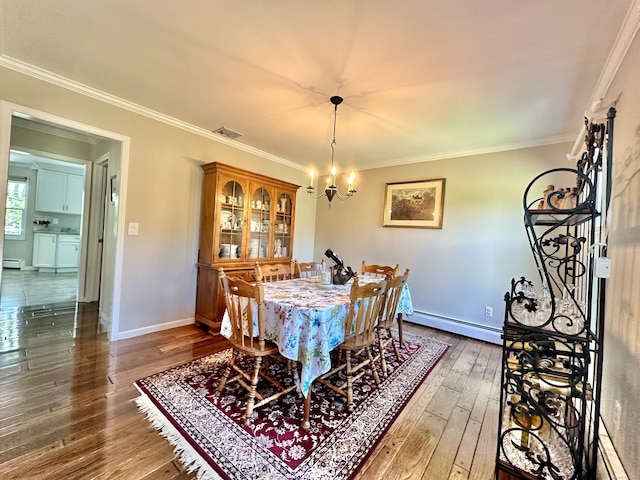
400, 330
307, 405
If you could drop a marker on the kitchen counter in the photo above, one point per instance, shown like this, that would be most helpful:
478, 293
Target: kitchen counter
58, 231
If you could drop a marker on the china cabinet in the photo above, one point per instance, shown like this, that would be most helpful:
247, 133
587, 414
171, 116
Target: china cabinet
245, 218
553, 330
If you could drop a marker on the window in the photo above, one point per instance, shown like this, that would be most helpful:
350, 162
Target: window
15, 219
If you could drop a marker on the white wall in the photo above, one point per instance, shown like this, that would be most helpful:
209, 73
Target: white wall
469, 263
622, 331
162, 195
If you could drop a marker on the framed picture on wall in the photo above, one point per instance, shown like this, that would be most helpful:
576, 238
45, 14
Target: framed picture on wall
414, 204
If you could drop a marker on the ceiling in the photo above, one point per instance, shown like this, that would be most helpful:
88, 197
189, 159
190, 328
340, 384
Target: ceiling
421, 79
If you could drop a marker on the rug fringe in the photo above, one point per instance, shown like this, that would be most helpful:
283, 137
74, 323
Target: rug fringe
188, 457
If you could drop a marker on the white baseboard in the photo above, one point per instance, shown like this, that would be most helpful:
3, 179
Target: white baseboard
610, 467
461, 327
155, 328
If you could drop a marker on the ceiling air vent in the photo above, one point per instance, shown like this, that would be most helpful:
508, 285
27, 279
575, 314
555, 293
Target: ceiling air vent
226, 132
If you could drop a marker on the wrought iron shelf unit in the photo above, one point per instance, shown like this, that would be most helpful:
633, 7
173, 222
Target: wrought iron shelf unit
554, 217
553, 334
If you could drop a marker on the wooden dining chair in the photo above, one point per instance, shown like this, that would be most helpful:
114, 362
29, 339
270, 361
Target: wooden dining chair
364, 308
388, 319
307, 269
380, 271
277, 271
245, 307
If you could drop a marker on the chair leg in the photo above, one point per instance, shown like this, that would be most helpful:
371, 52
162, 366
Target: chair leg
252, 394
227, 372
393, 343
383, 362
400, 331
349, 372
374, 370
296, 378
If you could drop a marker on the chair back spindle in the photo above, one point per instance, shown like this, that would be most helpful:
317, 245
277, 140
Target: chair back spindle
366, 302
307, 269
245, 309
277, 271
392, 297
380, 271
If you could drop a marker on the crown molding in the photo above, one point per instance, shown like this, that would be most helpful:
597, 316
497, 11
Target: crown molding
621, 45
623, 41
60, 81
468, 153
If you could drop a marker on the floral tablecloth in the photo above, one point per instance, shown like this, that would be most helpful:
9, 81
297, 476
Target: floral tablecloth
307, 320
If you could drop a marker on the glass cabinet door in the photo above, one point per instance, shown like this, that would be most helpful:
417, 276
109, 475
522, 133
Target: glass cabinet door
260, 223
283, 226
231, 220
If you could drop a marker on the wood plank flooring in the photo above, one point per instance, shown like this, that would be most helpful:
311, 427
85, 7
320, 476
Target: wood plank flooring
66, 409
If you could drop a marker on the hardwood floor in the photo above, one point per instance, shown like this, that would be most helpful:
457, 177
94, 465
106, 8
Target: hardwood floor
66, 409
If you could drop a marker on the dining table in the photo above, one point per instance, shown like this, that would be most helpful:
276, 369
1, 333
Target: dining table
306, 319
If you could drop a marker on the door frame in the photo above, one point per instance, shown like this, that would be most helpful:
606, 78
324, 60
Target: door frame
7, 112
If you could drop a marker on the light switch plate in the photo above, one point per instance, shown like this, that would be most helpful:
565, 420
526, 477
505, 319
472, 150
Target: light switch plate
133, 228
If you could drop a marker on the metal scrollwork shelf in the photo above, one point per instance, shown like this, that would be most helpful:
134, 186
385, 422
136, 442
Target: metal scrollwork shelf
552, 337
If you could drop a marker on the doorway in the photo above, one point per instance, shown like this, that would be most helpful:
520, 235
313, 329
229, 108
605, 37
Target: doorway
41, 249
98, 270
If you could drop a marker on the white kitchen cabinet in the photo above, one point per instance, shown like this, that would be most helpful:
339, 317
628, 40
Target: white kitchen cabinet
75, 194
59, 192
67, 254
56, 252
44, 250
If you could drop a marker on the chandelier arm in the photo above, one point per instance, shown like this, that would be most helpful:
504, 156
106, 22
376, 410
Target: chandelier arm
346, 196
311, 191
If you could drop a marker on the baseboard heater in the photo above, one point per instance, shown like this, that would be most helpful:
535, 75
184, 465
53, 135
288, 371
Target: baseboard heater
12, 263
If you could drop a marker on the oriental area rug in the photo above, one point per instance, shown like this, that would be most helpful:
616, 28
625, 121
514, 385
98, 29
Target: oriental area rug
210, 439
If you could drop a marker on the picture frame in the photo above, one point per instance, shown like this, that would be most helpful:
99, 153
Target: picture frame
418, 204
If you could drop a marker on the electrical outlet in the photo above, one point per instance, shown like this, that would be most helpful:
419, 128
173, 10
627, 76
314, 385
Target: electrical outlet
488, 311
133, 228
